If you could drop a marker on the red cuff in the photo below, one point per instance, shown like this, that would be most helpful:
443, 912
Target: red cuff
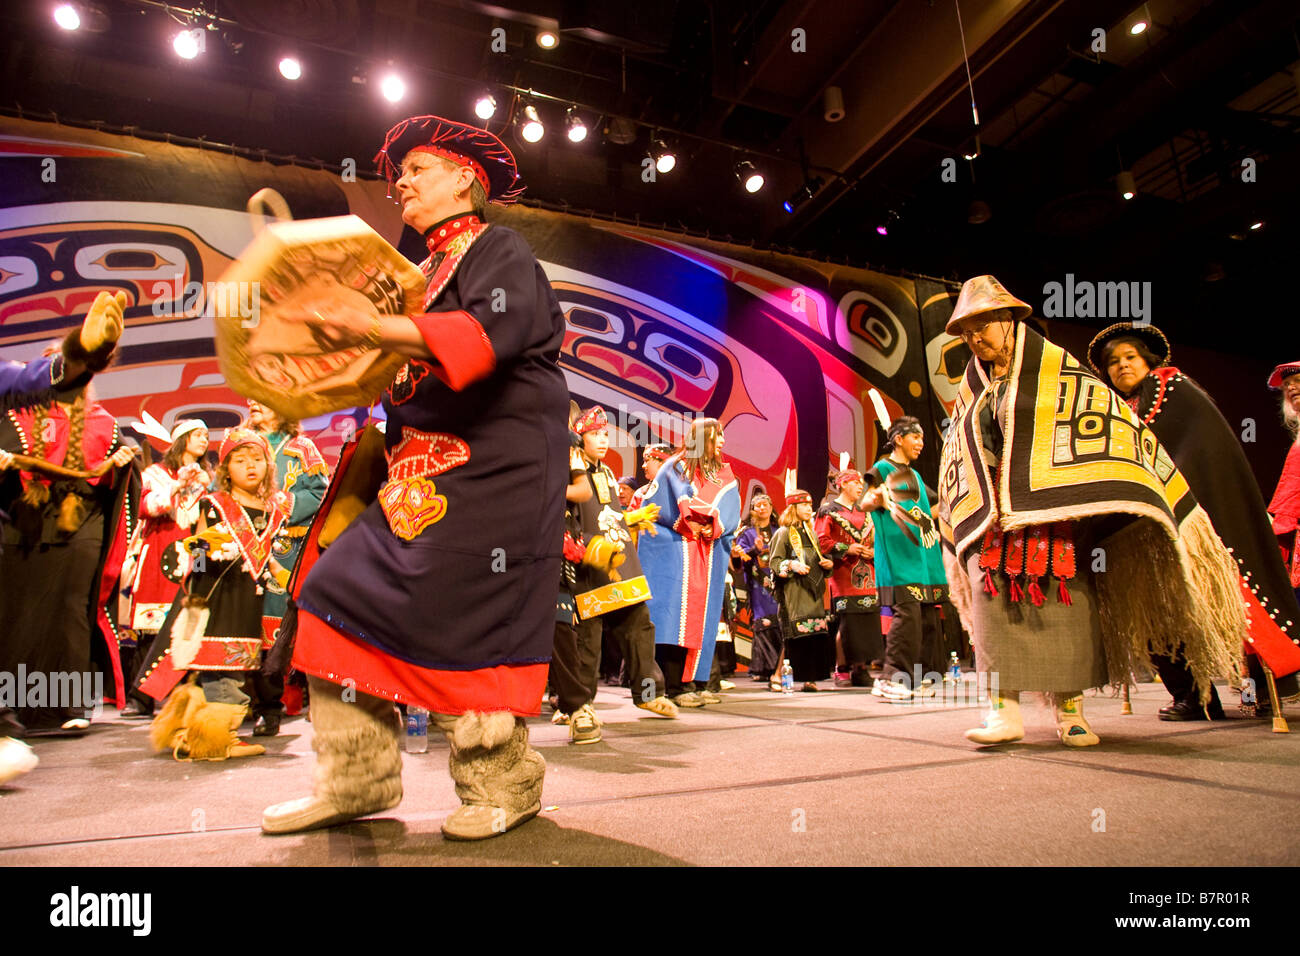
462, 353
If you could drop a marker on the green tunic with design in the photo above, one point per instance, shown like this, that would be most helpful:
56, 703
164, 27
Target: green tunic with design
907, 572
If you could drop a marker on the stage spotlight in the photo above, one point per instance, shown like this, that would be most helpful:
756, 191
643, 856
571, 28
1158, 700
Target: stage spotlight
485, 107
882, 230
530, 125
67, 16
621, 131
665, 159
290, 68
1127, 186
1257, 225
574, 127
806, 191
1139, 27
749, 177
392, 87
548, 39
186, 45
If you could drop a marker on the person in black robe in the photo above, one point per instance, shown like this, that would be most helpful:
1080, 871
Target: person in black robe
1135, 360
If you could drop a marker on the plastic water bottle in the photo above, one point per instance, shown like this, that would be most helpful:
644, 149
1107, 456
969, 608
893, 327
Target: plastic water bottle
417, 729
787, 678
954, 668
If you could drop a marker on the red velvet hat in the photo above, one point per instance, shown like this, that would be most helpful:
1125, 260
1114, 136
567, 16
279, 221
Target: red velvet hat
589, 421
1285, 370
238, 438
492, 162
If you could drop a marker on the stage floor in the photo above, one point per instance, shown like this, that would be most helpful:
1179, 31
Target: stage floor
832, 778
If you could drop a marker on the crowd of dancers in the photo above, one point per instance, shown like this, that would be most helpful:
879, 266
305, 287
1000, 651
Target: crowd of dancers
1088, 522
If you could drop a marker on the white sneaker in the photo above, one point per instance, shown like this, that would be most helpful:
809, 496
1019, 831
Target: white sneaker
584, 728
559, 717
76, 723
16, 759
893, 690
1002, 725
925, 690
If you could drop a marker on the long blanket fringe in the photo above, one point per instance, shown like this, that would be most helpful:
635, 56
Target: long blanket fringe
1176, 598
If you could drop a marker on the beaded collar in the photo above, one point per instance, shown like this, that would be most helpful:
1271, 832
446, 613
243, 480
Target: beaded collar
1165, 376
440, 235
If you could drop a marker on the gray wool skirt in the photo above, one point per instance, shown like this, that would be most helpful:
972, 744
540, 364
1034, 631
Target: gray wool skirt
1056, 647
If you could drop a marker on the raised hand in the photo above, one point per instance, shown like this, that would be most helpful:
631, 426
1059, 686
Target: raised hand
104, 322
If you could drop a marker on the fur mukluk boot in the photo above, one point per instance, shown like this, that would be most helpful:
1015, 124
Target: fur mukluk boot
358, 762
498, 776
192, 728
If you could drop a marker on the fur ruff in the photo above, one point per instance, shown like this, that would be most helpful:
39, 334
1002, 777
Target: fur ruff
508, 775
358, 754
175, 716
192, 728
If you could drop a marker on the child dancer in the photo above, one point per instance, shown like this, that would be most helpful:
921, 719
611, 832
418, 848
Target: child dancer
214, 628
169, 507
800, 571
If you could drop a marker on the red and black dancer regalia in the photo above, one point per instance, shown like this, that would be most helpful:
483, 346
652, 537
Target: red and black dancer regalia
566, 680
407, 601
63, 549
612, 593
231, 580
854, 597
215, 626
757, 597
169, 507
302, 473
1285, 504
1208, 453
442, 592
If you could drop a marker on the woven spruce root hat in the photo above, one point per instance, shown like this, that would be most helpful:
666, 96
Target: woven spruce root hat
985, 294
1148, 335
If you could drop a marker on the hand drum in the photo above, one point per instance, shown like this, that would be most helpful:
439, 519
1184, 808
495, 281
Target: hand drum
295, 268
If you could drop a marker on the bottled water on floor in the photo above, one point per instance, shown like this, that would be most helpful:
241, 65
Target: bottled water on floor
417, 730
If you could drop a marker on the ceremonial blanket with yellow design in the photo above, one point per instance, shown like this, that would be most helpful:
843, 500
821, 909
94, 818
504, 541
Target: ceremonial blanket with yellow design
1073, 450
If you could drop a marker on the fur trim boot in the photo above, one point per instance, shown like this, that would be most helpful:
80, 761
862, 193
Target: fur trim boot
498, 776
358, 762
212, 734
192, 728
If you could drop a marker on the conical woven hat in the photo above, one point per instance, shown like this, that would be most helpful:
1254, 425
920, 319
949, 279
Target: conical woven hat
985, 294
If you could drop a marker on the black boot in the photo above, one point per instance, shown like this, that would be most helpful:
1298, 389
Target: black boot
268, 724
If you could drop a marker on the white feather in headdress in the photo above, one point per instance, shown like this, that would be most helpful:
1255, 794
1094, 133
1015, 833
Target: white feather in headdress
791, 482
153, 428
844, 461
881, 412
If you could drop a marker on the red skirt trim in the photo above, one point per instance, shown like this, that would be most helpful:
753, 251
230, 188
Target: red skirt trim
323, 652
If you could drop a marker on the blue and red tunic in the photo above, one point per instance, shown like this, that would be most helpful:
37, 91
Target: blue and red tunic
442, 593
